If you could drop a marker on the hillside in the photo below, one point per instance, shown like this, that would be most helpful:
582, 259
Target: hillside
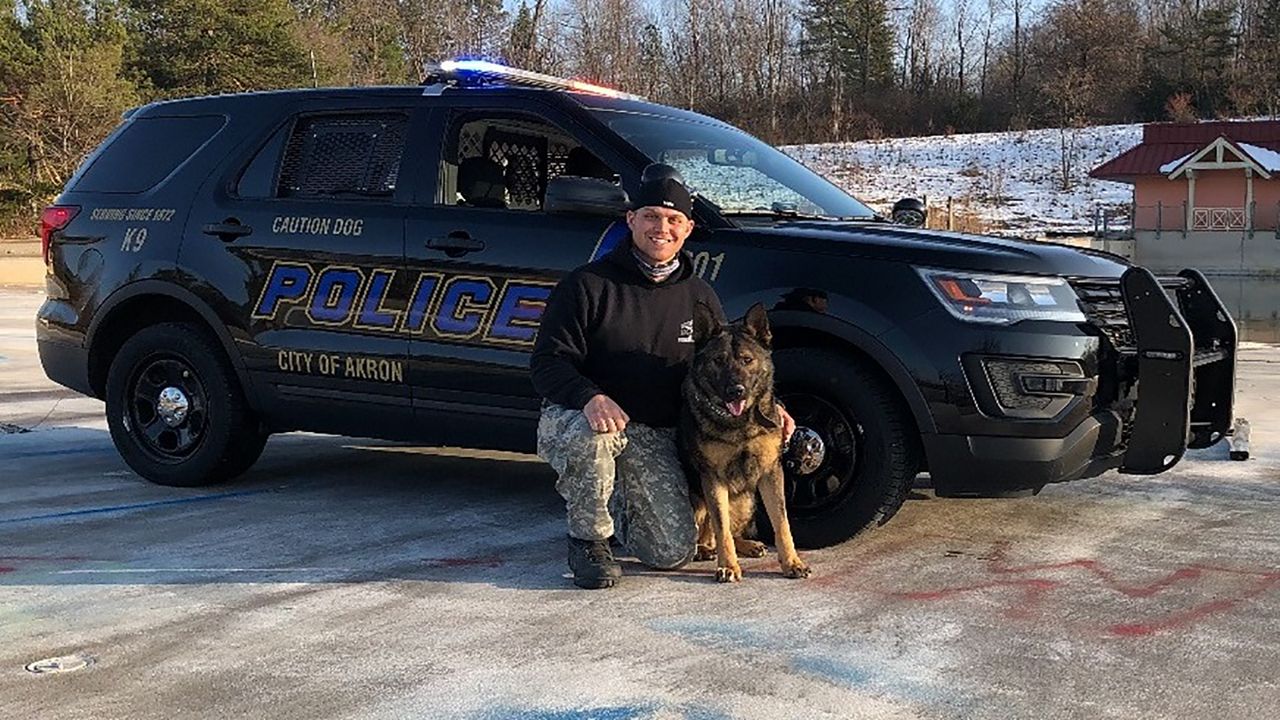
1010, 181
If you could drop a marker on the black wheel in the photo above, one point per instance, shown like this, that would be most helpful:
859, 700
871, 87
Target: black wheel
864, 448
176, 411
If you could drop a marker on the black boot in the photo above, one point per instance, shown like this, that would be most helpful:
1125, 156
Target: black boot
592, 564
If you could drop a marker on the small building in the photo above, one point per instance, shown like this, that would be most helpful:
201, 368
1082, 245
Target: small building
1205, 195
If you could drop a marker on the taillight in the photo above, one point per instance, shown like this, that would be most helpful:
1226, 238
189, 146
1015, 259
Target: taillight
54, 217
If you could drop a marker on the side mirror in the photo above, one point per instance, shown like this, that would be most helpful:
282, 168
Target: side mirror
569, 194
910, 212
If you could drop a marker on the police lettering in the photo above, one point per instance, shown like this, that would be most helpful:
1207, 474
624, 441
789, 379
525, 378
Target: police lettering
428, 305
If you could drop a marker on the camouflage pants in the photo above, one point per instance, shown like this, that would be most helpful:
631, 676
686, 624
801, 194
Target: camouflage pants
634, 475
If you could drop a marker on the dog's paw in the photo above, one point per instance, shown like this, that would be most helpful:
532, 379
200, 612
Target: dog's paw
795, 569
704, 552
750, 548
730, 574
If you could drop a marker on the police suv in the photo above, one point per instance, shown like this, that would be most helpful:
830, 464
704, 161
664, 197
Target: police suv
375, 261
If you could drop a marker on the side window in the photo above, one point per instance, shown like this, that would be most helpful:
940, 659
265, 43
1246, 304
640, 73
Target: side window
333, 156
259, 178
506, 161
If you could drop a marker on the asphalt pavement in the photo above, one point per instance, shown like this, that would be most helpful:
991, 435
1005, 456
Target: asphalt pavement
348, 578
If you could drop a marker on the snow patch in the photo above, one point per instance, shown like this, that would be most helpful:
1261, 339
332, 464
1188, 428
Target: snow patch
1269, 159
1173, 164
1012, 180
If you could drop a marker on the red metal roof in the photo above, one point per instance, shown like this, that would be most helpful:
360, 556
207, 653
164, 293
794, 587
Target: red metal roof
1162, 142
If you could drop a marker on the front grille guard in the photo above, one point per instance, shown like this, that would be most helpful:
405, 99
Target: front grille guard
1176, 343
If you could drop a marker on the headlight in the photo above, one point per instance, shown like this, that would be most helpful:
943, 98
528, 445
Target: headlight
1003, 299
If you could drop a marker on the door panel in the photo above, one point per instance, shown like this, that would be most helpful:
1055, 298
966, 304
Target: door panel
491, 254
310, 261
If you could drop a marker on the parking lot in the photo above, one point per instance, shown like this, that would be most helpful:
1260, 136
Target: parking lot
344, 578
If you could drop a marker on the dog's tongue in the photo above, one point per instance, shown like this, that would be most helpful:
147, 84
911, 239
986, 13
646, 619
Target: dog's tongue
736, 407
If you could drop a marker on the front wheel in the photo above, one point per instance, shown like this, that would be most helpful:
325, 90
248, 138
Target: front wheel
176, 411
867, 451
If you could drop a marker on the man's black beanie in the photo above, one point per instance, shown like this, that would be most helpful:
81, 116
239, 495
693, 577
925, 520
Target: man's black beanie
664, 192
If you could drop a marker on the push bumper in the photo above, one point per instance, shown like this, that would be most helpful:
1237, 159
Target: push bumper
1186, 356
1181, 356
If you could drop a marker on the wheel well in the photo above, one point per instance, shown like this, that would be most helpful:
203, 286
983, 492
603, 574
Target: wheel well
125, 320
794, 337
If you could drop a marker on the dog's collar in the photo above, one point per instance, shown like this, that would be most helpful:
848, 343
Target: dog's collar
716, 408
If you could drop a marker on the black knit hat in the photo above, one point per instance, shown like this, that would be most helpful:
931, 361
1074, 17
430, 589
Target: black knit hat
666, 193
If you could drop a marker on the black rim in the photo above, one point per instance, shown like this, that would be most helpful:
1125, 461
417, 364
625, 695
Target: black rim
828, 484
163, 438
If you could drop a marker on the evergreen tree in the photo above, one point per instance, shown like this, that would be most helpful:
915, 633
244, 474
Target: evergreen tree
1193, 53
853, 37
1261, 68
653, 71
520, 46
195, 47
61, 69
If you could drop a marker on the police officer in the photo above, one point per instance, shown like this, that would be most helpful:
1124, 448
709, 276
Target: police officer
611, 353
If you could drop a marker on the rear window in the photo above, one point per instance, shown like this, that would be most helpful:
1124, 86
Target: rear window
147, 151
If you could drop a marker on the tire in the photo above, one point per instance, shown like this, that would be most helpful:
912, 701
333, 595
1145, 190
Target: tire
872, 446
176, 411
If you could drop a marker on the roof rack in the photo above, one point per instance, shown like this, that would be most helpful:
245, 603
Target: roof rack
473, 73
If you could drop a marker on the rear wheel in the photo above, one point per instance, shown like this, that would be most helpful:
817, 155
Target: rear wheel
866, 454
176, 411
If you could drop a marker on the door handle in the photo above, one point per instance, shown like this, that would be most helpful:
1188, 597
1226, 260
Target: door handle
456, 243
227, 230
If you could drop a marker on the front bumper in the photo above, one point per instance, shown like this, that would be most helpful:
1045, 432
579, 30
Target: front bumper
984, 464
1169, 374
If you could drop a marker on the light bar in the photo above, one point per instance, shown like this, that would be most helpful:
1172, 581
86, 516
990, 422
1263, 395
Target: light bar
487, 69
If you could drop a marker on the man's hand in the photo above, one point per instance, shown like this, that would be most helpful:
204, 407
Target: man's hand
605, 416
788, 424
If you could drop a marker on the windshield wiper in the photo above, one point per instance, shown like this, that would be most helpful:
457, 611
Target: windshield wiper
797, 215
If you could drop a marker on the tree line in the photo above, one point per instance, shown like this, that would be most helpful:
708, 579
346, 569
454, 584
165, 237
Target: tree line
790, 71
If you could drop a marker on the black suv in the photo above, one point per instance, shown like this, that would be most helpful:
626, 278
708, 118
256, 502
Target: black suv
374, 262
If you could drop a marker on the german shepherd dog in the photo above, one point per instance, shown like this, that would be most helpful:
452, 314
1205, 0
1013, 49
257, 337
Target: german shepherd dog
730, 433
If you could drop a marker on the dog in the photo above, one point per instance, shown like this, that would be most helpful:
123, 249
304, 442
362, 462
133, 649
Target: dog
730, 434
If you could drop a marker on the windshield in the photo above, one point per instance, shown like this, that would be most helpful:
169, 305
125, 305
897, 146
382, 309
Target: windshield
734, 171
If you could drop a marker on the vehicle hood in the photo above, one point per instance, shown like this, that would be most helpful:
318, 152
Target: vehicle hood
940, 249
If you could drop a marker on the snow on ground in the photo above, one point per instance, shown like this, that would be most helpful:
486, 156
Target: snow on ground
1011, 180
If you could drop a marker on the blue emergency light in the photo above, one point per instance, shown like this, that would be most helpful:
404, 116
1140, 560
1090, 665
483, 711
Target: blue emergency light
465, 72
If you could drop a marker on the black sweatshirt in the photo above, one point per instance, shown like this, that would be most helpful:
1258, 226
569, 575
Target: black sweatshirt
610, 329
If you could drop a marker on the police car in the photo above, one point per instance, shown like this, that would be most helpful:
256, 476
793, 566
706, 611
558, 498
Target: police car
374, 262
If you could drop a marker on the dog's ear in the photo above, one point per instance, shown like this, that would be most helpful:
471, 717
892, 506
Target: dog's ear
705, 324
757, 324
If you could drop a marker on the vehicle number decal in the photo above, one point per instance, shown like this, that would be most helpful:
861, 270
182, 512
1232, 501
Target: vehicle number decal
704, 261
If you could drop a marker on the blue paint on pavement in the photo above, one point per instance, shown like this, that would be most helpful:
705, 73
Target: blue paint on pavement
837, 671
696, 712
136, 506
826, 664
715, 633
622, 712
49, 453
